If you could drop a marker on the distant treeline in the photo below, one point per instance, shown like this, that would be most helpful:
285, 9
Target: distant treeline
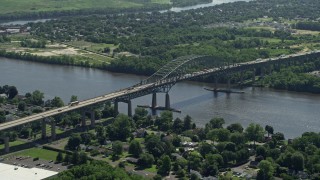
312, 26
294, 78
33, 44
62, 13
182, 3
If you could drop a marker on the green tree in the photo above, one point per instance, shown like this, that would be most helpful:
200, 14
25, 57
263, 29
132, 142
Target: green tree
22, 106
194, 161
141, 112
36, 98
86, 137
219, 135
146, 160
73, 98
228, 156
135, 148
73, 142
165, 165
2, 117
157, 177
205, 149
215, 159
177, 126
96, 170
164, 121
261, 151
238, 138
67, 158
269, 129
254, 132
187, 123
117, 148
59, 157
120, 129
83, 158
154, 145
265, 170
75, 158
235, 128
57, 102
297, 160
176, 141
215, 123
12, 92
100, 131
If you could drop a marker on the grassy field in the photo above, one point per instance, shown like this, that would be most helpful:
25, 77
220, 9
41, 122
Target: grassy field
153, 169
13, 143
18, 6
38, 152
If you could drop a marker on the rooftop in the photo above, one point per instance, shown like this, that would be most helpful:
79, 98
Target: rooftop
11, 172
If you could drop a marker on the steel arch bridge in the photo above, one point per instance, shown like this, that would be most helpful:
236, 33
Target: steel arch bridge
198, 66
180, 69
180, 66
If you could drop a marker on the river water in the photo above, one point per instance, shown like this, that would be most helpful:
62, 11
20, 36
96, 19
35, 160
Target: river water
213, 3
288, 112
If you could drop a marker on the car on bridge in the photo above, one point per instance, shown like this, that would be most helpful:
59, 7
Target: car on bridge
74, 103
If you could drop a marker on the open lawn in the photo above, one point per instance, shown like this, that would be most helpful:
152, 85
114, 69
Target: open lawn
270, 40
38, 152
18, 6
97, 47
13, 143
153, 169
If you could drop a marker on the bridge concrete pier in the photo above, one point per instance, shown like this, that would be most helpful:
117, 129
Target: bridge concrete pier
83, 118
129, 108
53, 130
229, 84
167, 105
6, 144
154, 101
262, 72
93, 118
216, 83
43, 129
241, 77
269, 70
116, 108
253, 75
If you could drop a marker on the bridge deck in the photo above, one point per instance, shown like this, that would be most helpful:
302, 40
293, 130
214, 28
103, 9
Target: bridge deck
139, 88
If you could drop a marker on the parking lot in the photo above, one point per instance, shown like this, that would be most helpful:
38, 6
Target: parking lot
29, 162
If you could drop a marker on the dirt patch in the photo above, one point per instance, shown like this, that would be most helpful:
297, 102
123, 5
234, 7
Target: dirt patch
302, 32
58, 52
56, 46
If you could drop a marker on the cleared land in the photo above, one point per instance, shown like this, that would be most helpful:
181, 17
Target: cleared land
81, 50
18, 6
